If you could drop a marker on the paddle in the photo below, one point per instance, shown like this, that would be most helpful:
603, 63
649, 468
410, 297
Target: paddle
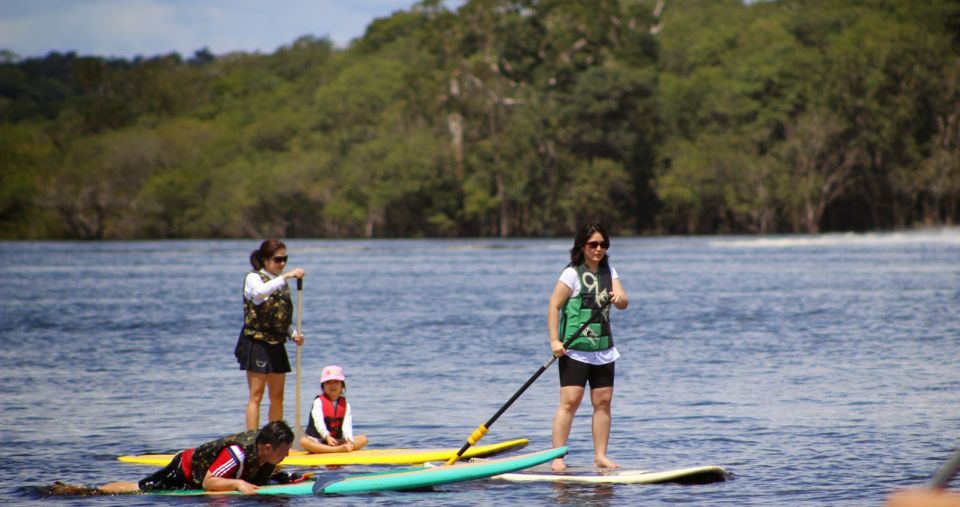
298, 431
484, 428
946, 472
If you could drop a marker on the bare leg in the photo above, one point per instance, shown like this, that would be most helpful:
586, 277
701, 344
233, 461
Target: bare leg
114, 488
359, 442
275, 384
570, 397
601, 399
318, 447
257, 382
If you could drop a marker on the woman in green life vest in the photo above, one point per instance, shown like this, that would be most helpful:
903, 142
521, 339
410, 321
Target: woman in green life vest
584, 286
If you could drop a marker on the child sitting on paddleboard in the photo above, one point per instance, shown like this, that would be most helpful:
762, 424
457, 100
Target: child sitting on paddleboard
330, 428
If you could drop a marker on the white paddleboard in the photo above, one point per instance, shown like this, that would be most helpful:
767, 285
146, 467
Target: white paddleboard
692, 475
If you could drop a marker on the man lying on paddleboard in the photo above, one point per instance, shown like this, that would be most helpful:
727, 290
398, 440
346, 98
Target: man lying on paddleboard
240, 462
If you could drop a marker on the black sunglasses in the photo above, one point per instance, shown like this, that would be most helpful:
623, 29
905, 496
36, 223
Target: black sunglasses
280, 259
597, 244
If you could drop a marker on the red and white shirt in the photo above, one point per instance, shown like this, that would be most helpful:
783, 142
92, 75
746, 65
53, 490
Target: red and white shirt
229, 463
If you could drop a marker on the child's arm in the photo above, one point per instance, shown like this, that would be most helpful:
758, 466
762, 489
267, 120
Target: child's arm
318, 423
348, 424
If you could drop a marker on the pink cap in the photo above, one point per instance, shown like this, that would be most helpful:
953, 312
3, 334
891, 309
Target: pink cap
332, 372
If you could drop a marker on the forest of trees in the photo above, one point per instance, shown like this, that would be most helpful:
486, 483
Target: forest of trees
504, 118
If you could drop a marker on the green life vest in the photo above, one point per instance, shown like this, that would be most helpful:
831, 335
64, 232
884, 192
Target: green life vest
594, 290
250, 471
269, 320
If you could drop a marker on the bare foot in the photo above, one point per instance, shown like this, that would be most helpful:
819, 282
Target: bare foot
605, 462
558, 465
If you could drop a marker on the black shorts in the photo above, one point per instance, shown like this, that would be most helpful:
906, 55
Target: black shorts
259, 356
576, 373
168, 477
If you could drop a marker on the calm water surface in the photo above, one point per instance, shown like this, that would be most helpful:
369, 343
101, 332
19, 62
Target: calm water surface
819, 370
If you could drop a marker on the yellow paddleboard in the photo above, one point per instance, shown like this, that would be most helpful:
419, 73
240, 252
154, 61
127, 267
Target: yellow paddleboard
363, 456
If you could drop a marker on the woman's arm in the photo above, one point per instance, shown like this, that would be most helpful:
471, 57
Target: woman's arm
561, 293
619, 296
257, 290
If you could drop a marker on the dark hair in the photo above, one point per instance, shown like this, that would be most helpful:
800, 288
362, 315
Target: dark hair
267, 249
275, 433
580, 240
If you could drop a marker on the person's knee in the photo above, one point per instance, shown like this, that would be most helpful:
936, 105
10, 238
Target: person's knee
602, 400
601, 408
570, 404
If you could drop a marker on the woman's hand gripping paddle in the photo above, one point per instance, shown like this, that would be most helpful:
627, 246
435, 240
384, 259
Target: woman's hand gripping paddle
484, 428
298, 429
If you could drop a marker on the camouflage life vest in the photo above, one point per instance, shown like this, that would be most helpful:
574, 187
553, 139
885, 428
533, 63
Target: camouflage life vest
269, 320
594, 290
333, 415
250, 471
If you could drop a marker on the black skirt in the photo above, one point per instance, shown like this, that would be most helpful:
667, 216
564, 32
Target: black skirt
261, 357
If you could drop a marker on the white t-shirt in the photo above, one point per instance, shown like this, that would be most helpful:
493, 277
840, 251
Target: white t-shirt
570, 279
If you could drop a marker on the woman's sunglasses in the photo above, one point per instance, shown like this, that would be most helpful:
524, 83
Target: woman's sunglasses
598, 244
280, 259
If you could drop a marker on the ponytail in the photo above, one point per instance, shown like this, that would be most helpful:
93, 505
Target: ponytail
266, 250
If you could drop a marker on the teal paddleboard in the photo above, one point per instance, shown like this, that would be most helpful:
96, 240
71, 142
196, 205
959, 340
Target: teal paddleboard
301, 488
408, 478
416, 478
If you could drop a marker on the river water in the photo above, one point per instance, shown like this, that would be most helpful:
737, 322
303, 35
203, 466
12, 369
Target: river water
819, 370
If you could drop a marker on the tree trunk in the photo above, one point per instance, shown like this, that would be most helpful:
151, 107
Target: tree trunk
502, 197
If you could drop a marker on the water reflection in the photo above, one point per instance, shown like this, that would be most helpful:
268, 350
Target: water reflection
566, 493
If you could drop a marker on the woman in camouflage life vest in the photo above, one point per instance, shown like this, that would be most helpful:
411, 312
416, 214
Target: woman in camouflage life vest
584, 286
267, 318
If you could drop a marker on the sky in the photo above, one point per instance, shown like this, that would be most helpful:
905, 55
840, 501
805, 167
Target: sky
129, 28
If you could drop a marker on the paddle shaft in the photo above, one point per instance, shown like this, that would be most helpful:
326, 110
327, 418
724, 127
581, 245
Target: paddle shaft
482, 430
946, 472
296, 418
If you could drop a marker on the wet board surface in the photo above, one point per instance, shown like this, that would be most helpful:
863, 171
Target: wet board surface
363, 456
299, 489
424, 477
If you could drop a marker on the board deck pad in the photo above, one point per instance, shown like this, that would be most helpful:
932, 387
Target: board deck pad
363, 456
593, 475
